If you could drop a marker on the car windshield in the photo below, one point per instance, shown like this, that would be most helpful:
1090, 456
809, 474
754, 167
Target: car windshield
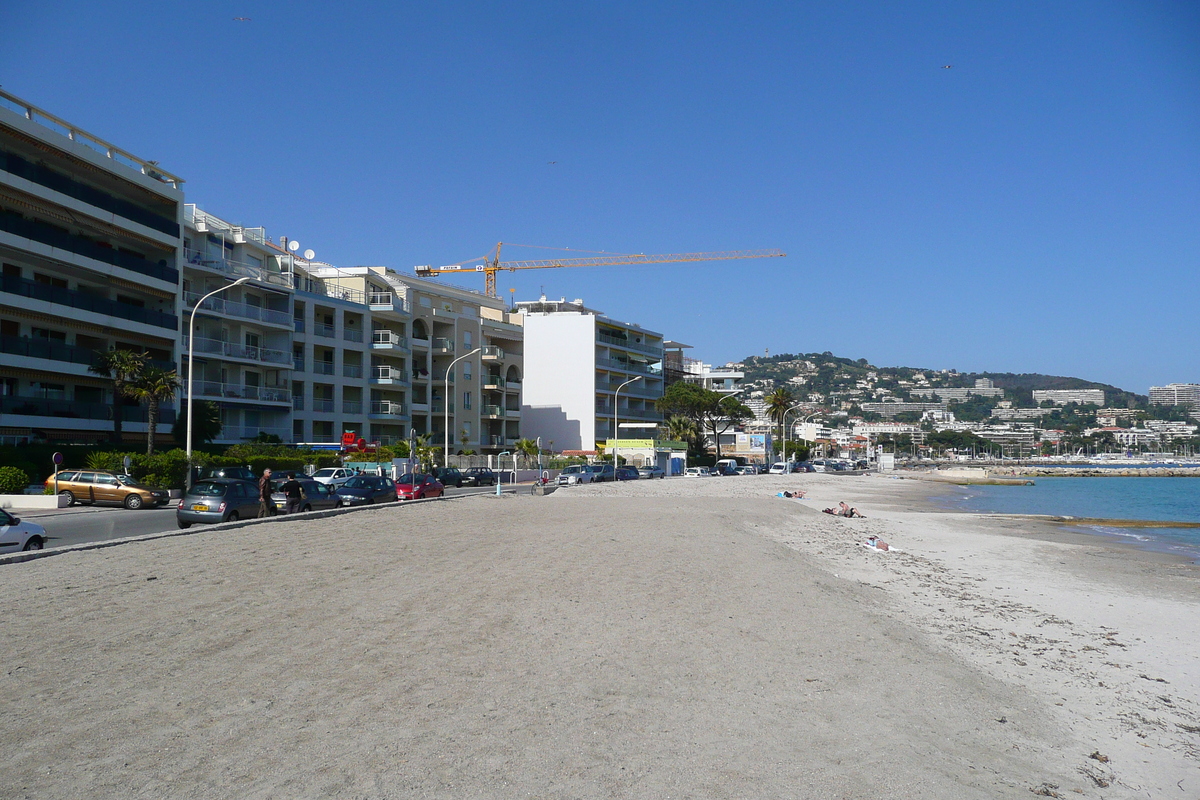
205, 489
323, 473
572, 470
356, 483
410, 477
127, 480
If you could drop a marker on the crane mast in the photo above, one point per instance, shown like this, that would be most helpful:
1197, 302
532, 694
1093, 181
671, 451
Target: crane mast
491, 264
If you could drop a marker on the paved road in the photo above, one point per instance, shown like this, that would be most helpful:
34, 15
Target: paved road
79, 524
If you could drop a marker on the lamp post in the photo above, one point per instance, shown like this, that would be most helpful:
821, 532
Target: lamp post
616, 428
412, 456
446, 457
787, 461
191, 350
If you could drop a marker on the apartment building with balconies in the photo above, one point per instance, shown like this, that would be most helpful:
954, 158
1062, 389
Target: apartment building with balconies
242, 342
90, 240
576, 359
481, 396
352, 354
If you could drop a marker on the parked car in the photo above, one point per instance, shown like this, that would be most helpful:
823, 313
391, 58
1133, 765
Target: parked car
603, 472
749, 469
102, 486
449, 476
333, 477
778, 468
317, 496
479, 476
417, 486
575, 474
16, 535
217, 500
803, 466
626, 473
652, 472
696, 472
241, 473
366, 489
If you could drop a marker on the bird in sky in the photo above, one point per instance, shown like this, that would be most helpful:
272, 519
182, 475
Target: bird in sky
551, 162
241, 19
947, 66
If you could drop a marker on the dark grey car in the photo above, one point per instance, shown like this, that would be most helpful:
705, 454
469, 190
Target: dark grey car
317, 496
217, 500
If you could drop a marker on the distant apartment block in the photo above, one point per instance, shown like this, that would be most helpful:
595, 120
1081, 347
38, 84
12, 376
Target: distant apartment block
983, 388
90, 240
1061, 397
575, 360
890, 410
1176, 394
677, 366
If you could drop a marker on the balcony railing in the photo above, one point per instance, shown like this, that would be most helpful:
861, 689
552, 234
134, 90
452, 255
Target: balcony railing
629, 366
73, 409
352, 334
629, 344
298, 325
438, 406
513, 386
298, 363
386, 301
297, 402
52, 235
352, 407
234, 269
420, 341
492, 351
322, 367
232, 350
387, 408
238, 391
321, 329
389, 374
443, 344
606, 412
385, 338
492, 411
86, 301
352, 370
253, 432
322, 404
493, 382
232, 308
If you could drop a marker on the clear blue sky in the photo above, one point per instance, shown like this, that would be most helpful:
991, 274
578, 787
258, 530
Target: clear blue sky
1033, 208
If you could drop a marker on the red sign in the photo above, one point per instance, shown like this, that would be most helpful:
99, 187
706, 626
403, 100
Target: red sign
349, 438
362, 445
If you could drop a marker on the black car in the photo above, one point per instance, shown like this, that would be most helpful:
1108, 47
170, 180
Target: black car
365, 489
449, 476
478, 476
627, 474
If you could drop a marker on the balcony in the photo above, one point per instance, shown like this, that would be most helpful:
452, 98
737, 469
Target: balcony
491, 412
639, 347
352, 370
72, 409
513, 387
322, 368
298, 324
230, 308
321, 329
440, 377
493, 383
297, 402
238, 391
86, 301
58, 182
307, 285
492, 353
606, 412
387, 409
438, 406
629, 366
388, 375
420, 341
443, 345
352, 335
386, 340
512, 413
253, 432
53, 236
259, 355
352, 406
298, 363
386, 301
234, 269
323, 405
420, 408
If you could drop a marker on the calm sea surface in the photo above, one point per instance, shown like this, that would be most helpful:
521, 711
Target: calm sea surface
1157, 499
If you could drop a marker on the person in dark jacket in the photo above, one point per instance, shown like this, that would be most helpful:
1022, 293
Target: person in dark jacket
294, 494
266, 506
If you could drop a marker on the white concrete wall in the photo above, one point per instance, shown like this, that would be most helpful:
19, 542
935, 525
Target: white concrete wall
558, 392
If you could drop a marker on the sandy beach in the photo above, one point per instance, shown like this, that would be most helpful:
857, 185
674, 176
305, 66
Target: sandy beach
681, 638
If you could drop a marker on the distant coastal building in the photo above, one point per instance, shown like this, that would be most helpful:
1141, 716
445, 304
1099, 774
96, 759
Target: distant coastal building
1061, 397
677, 367
1176, 394
890, 410
983, 388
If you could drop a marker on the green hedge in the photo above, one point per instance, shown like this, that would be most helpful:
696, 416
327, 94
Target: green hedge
168, 470
14, 480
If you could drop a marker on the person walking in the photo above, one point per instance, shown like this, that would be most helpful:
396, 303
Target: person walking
266, 506
294, 494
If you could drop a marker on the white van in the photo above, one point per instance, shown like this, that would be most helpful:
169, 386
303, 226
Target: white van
778, 468
726, 466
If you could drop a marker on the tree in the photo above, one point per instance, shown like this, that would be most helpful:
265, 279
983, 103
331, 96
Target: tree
712, 412
207, 426
153, 385
121, 367
423, 452
684, 429
527, 447
779, 402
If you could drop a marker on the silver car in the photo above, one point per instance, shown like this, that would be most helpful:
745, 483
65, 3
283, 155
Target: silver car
217, 500
16, 535
575, 475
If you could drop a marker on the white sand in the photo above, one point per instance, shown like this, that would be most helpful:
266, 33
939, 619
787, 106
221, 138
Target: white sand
680, 638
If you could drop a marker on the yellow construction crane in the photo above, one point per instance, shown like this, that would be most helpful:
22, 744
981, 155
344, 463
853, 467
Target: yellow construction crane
491, 263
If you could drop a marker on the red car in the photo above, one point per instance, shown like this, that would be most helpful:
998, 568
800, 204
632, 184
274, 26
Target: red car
416, 486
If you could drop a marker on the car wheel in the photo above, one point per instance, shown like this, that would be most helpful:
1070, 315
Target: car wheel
183, 525
34, 543
306, 508
133, 502
233, 517
69, 495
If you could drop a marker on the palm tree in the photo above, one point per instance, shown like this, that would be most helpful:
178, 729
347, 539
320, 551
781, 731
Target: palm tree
779, 402
153, 386
527, 447
121, 367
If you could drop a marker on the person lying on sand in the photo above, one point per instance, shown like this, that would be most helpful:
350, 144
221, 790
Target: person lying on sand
797, 495
877, 543
844, 510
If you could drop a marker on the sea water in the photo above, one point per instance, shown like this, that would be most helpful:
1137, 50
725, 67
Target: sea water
1146, 499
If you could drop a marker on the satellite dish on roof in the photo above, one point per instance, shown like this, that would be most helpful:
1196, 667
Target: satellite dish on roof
293, 245
309, 254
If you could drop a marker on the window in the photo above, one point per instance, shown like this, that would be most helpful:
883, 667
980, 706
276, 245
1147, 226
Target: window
61, 283
466, 400
426, 302
467, 369
50, 391
46, 333
467, 340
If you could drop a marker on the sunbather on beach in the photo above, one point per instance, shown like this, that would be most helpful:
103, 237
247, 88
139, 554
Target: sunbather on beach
797, 495
877, 543
846, 511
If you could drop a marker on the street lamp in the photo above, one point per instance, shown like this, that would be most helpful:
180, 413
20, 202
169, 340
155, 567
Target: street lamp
412, 460
616, 428
191, 349
787, 461
446, 457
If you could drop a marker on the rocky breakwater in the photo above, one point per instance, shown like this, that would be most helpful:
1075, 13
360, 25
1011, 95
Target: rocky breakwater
1097, 472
